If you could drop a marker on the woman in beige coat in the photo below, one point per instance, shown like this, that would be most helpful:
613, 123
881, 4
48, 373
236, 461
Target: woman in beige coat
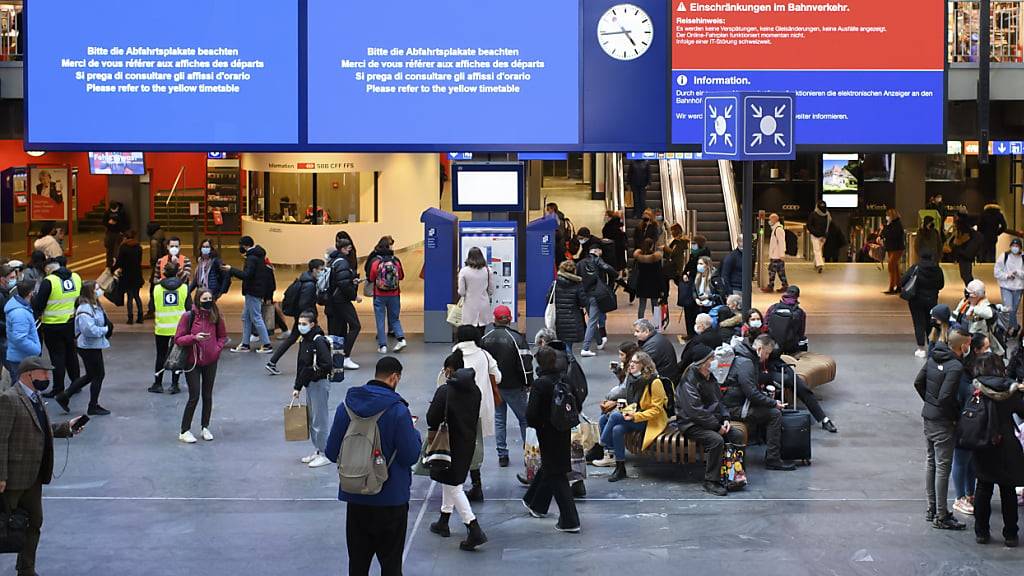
475, 288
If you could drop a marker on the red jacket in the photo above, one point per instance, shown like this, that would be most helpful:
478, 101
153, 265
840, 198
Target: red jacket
373, 277
209, 350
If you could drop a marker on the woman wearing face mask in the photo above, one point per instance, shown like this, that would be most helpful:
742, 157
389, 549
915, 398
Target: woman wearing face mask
929, 282
649, 286
128, 267
202, 331
91, 330
1009, 272
753, 325
208, 271
893, 238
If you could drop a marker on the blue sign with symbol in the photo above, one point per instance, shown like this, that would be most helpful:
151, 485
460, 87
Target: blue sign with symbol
1017, 147
460, 156
1005, 148
749, 126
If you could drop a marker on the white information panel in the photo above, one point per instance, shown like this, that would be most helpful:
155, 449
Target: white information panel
497, 240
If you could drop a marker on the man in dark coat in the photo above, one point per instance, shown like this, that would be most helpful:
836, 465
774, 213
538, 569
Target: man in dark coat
658, 347
570, 301
702, 417
508, 347
255, 285
936, 384
991, 224
116, 223
551, 479
638, 176
707, 338
732, 270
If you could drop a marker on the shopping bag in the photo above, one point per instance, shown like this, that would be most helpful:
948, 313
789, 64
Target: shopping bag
296, 422
439, 454
577, 462
106, 280
551, 311
733, 474
531, 454
268, 316
455, 313
586, 434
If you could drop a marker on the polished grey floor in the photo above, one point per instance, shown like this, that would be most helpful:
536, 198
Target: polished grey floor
133, 500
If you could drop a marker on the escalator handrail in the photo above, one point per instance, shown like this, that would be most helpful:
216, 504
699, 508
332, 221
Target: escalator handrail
731, 202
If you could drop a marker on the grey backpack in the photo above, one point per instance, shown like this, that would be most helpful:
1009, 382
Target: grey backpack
362, 468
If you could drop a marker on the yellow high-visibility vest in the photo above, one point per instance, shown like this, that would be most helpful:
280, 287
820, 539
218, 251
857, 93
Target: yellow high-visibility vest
170, 306
60, 307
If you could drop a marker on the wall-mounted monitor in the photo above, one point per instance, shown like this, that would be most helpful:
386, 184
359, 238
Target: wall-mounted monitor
841, 176
488, 187
117, 163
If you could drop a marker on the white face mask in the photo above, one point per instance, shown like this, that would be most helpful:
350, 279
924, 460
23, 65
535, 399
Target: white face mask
305, 328
701, 268
755, 324
99, 292
173, 250
1015, 249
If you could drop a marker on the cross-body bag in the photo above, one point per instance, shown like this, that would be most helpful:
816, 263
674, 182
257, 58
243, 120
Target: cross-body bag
439, 454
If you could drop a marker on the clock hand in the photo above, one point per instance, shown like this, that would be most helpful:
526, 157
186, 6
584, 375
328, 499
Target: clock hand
628, 36
613, 33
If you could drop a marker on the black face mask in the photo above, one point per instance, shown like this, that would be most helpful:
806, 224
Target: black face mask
242, 249
206, 305
40, 385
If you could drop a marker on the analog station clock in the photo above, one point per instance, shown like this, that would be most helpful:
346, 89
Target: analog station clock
625, 32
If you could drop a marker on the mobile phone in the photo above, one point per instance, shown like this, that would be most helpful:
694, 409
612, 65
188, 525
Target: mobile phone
79, 422
613, 365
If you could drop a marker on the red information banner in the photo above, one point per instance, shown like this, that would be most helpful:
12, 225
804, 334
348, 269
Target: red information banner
48, 189
808, 35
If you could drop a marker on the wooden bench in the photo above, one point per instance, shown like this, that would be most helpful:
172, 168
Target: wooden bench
671, 446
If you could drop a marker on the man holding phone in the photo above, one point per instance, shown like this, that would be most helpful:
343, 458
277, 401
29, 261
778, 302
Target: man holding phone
26, 450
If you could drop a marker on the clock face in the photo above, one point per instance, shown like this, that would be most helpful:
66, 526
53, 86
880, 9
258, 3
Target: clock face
625, 32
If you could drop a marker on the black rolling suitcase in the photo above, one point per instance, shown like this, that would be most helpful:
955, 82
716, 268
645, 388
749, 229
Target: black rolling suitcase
796, 428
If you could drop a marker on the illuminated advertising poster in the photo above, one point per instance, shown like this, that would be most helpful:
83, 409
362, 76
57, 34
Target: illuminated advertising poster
48, 193
497, 241
864, 72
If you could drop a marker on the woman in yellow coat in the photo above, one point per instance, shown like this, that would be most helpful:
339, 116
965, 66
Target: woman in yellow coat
644, 412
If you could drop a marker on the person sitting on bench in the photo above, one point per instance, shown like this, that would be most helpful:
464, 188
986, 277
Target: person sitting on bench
748, 403
702, 417
782, 375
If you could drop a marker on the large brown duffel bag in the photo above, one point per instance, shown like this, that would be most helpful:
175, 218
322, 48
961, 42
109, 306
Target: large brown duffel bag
816, 369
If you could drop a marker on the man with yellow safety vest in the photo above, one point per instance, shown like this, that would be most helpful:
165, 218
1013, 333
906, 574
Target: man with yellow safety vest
171, 299
54, 306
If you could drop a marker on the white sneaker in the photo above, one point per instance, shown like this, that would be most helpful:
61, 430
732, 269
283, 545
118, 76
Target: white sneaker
319, 461
206, 434
284, 335
187, 437
350, 365
920, 353
382, 350
607, 462
588, 354
401, 344
310, 458
254, 338
603, 342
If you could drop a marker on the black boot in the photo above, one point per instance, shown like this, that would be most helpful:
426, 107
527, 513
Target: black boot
476, 493
175, 389
619, 473
595, 453
579, 489
441, 526
475, 537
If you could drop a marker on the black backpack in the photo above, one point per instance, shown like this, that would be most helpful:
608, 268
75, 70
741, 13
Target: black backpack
577, 381
791, 243
978, 428
670, 394
784, 326
565, 413
290, 302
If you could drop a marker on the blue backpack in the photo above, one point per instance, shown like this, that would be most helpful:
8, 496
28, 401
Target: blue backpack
714, 315
337, 346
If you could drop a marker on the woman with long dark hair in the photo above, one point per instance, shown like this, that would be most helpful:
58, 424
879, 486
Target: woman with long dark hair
208, 270
91, 328
202, 331
128, 266
475, 288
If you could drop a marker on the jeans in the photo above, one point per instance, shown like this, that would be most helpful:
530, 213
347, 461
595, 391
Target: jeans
613, 432
546, 485
983, 508
595, 319
391, 306
163, 348
375, 531
771, 419
1011, 299
713, 444
252, 315
200, 384
317, 396
941, 441
92, 359
514, 398
920, 314
963, 472
453, 498
343, 321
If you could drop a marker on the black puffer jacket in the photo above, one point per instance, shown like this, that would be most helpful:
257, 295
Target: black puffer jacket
254, 277
554, 444
504, 344
313, 361
930, 279
343, 275
459, 398
743, 380
597, 275
937, 384
699, 402
1002, 464
307, 292
569, 304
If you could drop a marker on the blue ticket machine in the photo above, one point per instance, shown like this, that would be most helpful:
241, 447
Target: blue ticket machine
439, 246
540, 271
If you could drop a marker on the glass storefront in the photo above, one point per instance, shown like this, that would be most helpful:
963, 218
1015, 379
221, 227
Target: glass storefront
964, 25
340, 197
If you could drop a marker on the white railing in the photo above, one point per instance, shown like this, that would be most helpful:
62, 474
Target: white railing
732, 211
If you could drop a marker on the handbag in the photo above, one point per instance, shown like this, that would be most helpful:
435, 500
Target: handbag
177, 358
733, 475
13, 528
115, 294
909, 289
439, 454
455, 313
531, 453
296, 422
106, 280
551, 311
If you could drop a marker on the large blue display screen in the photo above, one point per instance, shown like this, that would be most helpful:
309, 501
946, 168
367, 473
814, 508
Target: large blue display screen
443, 72
160, 72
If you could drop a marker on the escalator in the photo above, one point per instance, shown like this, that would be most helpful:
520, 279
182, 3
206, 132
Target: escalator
705, 194
653, 199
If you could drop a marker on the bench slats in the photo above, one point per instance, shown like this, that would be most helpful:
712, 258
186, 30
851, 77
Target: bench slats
672, 446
